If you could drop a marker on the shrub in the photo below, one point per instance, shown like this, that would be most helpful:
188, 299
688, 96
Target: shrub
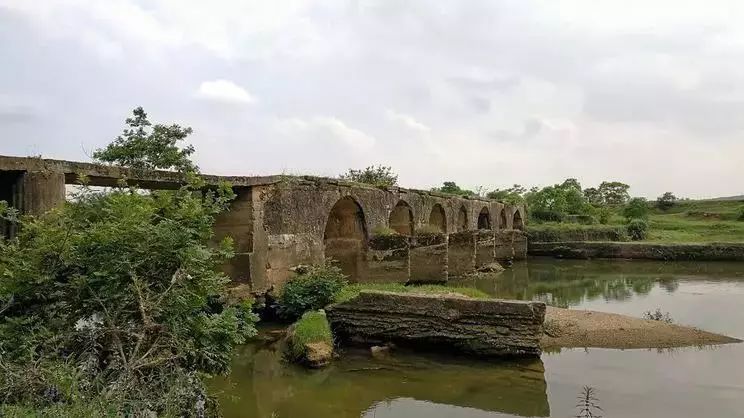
312, 289
658, 315
380, 176
636, 208
547, 216
666, 201
637, 229
604, 214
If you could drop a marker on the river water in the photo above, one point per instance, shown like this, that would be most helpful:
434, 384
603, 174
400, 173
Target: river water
688, 382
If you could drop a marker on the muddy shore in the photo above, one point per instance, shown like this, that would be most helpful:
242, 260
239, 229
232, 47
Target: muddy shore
568, 328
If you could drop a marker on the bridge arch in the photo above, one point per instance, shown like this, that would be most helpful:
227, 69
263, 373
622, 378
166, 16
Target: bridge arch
345, 237
462, 219
484, 218
401, 218
438, 218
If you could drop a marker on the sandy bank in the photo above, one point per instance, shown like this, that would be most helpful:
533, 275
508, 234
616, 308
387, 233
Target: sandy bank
576, 328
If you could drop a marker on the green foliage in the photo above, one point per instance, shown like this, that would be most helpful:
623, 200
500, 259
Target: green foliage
666, 201
312, 327
740, 217
381, 176
604, 214
111, 304
145, 146
613, 192
637, 229
553, 203
351, 291
312, 289
450, 187
574, 232
512, 195
593, 196
636, 208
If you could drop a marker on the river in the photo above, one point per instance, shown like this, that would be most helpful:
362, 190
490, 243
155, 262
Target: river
688, 382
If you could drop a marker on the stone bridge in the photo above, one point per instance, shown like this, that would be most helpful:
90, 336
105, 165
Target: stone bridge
278, 222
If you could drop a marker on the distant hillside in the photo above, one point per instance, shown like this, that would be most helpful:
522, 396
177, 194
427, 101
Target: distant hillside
739, 197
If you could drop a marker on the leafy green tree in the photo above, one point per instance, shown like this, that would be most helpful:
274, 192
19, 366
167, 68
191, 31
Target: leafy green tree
571, 183
614, 192
512, 195
376, 175
666, 201
450, 187
144, 146
113, 304
593, 196
636, 208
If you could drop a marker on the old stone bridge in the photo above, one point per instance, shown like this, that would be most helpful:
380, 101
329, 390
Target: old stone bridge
278, 222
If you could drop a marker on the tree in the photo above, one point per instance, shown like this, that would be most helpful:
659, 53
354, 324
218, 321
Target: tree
593, 196
636, 208
572, 183
614, 192
450, 187
114, 303
512, 195
666, 201
376, 175
143, 146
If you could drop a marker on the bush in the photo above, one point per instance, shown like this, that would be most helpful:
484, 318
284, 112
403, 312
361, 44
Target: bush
380, 176
636, 208
666, 201
637, 229
312, 289
312, 327
547, 216
604, 214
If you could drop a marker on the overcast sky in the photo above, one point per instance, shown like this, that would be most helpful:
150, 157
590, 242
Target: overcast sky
483, 93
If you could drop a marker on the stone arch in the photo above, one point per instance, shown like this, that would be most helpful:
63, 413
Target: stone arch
502, 218
345, 237
437, 218
484, 219
517, 222
401, 218
462, 219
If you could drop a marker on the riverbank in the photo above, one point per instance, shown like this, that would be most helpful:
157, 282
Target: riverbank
568, 328
639, 250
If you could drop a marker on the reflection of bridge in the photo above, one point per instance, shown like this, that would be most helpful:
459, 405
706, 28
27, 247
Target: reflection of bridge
279, 221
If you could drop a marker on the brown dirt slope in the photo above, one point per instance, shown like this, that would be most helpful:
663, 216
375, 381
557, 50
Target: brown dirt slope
575, 328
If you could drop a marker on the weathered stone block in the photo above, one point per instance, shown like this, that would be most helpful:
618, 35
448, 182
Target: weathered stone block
388, 258
484, 327
484, 248
511, 244
461, 257
428, 258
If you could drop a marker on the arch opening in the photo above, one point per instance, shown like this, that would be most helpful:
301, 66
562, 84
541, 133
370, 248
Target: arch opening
345, 237
462, 219
437, 218
484, 219
517, 222
401, 218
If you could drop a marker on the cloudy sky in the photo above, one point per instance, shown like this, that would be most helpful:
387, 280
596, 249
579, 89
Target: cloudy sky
484, 93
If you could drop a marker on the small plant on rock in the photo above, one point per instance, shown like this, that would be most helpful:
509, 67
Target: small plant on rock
658, 315
314, 288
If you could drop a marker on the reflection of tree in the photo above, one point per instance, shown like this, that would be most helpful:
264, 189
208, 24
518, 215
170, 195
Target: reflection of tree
568, 283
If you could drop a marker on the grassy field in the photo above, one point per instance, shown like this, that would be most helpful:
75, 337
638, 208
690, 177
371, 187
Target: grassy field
698, 221
691, 221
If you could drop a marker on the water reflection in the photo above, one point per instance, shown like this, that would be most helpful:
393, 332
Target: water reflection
566, 283
262, 385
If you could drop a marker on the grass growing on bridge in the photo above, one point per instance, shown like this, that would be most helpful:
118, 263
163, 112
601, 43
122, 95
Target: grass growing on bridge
352, 290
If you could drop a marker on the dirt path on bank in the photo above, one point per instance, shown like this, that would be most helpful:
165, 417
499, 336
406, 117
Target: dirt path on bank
575, 328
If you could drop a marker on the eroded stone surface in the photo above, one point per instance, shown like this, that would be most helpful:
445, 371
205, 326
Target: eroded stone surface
484, 327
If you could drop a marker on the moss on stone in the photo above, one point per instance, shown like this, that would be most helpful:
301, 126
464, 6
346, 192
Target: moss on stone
351, 291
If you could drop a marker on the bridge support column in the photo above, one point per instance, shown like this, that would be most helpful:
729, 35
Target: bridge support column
41, 191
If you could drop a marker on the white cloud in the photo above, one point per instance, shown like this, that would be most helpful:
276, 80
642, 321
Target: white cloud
323, 130
224, 91
407, 121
